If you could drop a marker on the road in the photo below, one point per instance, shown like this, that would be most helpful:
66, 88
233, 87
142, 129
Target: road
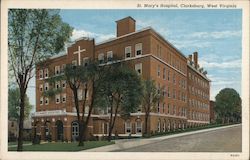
222, 140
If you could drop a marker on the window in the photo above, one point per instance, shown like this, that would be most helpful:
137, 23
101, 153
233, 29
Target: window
74, 63
101, 58
75, 129
57, 85
46, 73
57, 98
168, 92
138, 68
40, 87
164, 91
158, 107
158, 70
86, 111
128, 127
79, 93
138, 126
174, 78
174, 94
41, 74
46, 86
63, 84
64, 98
109, 56
127, 52
41, 100
159, 126
63, 68
164, 126
57, 70
163, 107
164, 73
138, 49
168, 75
168, 108
174, 110
46, 101
85, 61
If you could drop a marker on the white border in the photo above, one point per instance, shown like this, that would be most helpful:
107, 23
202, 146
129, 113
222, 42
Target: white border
118, 4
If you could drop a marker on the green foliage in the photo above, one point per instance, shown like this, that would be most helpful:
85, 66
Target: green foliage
151, 95
228, 105
120, 85
14, 102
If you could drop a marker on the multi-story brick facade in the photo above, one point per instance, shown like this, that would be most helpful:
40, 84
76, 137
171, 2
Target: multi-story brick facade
152, 57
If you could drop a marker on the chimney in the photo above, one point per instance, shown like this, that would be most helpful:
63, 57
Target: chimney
195, 54
125, 26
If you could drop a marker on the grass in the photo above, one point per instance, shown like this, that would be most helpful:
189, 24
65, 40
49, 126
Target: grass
186, 130
15, 143
60, 146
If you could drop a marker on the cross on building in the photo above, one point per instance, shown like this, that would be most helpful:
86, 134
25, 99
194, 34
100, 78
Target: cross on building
79, 54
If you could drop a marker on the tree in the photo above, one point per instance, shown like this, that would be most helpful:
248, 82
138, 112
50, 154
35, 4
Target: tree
228, 105
151, 97
120, 91
13, 105
33, 36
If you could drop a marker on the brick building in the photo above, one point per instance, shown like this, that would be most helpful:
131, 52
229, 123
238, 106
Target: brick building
186, 87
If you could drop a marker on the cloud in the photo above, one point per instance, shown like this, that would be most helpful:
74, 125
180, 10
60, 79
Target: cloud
83, 33
180, 44
222, 65
213, 35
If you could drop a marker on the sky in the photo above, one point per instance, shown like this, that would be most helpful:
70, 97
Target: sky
215, 34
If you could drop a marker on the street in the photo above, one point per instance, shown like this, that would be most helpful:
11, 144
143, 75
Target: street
221, 140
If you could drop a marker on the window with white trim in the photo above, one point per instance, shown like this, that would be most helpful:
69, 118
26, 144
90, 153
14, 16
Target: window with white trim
46, 73
63, 68
85, 61
138, 68
41, 100
64, 98
127, 127
138, 126
40, 74
168, 108
164, 73
46, 100
63, 84
158, 70
159, 126
41, 87
75, 129
128, 52
46, 86
58, 98
86, 111
138, 49
57, 84
79, 93
109, 56
74, 63
57, 70
101, 58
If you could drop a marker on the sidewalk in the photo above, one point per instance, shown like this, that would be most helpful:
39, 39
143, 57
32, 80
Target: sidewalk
129, 143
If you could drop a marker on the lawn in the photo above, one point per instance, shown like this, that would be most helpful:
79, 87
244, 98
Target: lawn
60, 146
15, 143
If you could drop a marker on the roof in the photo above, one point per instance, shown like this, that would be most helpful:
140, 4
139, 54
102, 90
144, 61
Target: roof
126, 18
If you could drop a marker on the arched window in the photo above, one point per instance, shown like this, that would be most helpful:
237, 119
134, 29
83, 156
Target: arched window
75, 129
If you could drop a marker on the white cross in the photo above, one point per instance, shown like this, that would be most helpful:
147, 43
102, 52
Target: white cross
79, 54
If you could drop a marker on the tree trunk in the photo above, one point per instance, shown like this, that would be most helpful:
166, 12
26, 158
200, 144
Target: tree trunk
146, 123
21, 118
81, 129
